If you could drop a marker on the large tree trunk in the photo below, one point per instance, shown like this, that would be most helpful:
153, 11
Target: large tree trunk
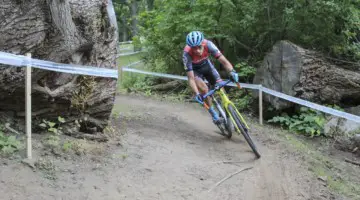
302, 73
66, 31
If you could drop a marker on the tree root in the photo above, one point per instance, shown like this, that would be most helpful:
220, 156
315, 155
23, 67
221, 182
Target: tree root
94, 137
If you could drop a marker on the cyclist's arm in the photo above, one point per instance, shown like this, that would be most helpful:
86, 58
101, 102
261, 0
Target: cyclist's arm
219, 56
226, 64
189, 71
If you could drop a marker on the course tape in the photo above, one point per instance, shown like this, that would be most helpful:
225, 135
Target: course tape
128, 54
19, 60
321, 108
126, 42
244, 85
324, 109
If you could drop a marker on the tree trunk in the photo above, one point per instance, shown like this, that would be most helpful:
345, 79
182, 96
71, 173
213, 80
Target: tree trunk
150, 5
125, 30
66, 31
134, 10
302, 73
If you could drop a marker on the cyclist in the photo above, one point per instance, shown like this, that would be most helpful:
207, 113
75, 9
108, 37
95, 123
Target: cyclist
199, 67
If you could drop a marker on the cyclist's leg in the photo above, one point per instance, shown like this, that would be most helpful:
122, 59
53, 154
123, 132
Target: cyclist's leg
202, 73
200, 83
213, 75
199, 80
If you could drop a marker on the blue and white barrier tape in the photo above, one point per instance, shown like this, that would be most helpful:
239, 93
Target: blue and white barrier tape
324, 109
321, 108
128, 54
18, 60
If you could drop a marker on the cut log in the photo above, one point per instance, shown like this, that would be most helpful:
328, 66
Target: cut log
302, 73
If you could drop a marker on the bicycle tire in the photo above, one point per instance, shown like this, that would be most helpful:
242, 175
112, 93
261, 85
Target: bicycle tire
242, 129
224, 127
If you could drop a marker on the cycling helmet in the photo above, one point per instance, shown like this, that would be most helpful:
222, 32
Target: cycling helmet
194, 38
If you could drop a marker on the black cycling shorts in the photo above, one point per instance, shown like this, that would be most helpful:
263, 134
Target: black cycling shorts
207, 71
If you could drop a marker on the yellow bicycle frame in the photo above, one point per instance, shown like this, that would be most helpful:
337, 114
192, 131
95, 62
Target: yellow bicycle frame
226, 102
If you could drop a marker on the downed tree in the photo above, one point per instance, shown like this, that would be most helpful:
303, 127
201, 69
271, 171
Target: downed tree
66, 31
303, 73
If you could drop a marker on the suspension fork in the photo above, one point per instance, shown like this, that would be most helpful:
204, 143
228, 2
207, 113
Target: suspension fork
220, 109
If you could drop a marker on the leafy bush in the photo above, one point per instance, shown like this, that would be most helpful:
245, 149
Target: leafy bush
246, 72
308, 122
8, 144
54, 127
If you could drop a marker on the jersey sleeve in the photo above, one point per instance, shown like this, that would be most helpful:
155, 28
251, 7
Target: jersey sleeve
213, 50
187, 61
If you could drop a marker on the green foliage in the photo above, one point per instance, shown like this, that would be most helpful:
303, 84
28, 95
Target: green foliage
241, 98
52, 141
308, 122
8, 144
248, 29
53, 127
67, 146
246, 72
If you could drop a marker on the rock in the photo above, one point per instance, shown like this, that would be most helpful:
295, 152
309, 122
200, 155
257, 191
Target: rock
341, 127
29, 162
323, 178
356, 140
354, 110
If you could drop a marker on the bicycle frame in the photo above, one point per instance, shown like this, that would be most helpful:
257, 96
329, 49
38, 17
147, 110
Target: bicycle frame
226, 101
219, 90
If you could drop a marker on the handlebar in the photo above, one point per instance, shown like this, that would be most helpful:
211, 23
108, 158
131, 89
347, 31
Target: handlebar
217, 87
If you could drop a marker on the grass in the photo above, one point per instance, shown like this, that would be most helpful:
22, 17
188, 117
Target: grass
125, 60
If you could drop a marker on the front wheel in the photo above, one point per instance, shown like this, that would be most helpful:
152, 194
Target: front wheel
226, 126
241, 127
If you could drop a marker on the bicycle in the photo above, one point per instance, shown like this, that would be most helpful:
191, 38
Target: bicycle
232, 116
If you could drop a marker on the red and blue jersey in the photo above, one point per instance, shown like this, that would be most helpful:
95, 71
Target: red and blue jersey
190, 59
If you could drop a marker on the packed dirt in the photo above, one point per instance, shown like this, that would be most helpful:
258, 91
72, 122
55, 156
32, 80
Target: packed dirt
165, 150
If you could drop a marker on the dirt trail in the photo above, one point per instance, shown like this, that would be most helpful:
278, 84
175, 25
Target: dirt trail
170, 151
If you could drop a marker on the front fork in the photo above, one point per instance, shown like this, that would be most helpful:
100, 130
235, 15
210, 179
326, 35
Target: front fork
220, 109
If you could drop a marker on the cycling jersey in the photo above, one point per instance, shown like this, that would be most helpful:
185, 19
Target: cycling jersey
201, 65
191, 60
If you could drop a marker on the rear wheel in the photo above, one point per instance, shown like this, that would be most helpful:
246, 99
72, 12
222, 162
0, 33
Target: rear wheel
243, 130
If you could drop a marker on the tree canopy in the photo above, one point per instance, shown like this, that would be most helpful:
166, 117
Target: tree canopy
245, 29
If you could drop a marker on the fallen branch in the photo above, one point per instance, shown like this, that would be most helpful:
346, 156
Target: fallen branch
229, 176
352, 162
7, 126
167, 86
